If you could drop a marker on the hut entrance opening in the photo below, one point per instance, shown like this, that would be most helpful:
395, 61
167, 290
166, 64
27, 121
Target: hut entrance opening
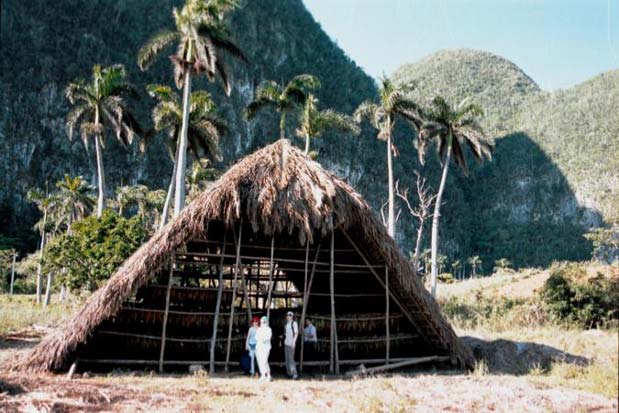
196, 309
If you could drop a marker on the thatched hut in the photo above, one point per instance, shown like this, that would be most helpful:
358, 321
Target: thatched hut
276, 232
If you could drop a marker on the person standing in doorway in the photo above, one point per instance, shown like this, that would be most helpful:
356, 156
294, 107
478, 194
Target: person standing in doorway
250, 343
263, 348
310, 339
290, 341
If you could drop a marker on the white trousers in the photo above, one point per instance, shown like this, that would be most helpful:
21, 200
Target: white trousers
262, 357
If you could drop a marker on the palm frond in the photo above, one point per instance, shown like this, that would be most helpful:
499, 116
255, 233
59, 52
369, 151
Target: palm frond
77, 91
88, 129
330, 119
161, 92
74, 118
366, 110
299, 87
154, 46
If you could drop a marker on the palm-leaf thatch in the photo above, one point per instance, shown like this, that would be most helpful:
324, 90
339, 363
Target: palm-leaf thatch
278, 189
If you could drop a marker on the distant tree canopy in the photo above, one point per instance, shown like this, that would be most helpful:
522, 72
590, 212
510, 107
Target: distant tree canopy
94, 250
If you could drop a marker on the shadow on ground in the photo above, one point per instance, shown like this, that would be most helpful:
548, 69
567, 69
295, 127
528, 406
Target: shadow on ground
518, 358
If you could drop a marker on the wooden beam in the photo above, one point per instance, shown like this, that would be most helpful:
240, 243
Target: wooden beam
271, 267
165, 315
289, 260
387, 313
236, 273
409, 362
243, 282
404, 310
219, 363
12, 274
306, 295
220, 290
334, 366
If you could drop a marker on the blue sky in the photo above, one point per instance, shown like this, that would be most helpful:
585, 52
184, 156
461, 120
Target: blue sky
559, 43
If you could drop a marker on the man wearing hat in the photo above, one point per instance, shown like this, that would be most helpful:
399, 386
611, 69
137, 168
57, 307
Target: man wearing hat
290, 341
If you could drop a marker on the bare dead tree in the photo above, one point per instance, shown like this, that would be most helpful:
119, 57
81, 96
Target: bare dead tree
423, 211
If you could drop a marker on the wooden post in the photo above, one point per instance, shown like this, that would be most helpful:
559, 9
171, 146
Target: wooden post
305, 294
387, 313
243, 282
220, 290
405, 311
12, 274
165, 315
271, 268
72, 369
334, 365
237, 266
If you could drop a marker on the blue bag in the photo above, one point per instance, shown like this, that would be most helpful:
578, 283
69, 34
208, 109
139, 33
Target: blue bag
246, 362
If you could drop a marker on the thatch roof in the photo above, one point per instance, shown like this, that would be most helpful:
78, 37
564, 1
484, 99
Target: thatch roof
279, 189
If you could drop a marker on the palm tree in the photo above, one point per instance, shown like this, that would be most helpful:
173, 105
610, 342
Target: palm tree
204, 130
474, 262
451, 127
134, 194
202, 174
201, 37
74, 199
283, 98
456, 267
502, 265
392, 104
73, 202
98, 105
45, 203
313, 122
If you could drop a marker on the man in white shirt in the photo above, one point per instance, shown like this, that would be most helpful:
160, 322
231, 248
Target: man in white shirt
290, 341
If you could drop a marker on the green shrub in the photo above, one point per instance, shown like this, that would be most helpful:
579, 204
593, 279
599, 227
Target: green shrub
573, 297
446, 278
94, 250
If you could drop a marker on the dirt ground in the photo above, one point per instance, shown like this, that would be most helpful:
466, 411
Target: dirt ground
414, 392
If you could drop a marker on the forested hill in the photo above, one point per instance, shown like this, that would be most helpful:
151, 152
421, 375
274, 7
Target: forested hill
557, 158
45, 46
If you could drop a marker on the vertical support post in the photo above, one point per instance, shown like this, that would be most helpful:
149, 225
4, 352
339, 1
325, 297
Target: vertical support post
334, 365
12, 274
304, 307
243, 281
237, 266
306, 296
271, 268
165, 314
220, 290
388, 344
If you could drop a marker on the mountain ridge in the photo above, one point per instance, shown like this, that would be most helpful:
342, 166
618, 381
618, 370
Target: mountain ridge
281, 39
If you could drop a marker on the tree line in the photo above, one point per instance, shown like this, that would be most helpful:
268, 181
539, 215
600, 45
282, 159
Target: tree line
192, 125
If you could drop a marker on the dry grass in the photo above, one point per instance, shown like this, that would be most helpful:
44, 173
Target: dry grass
512, 333
400, 393
19, 312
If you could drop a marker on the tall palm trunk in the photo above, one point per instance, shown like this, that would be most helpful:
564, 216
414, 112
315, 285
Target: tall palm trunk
307, 144
100, 178
282, 125
179, 197
168, 198
391, 215
40, 266
418, 246
436, 218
